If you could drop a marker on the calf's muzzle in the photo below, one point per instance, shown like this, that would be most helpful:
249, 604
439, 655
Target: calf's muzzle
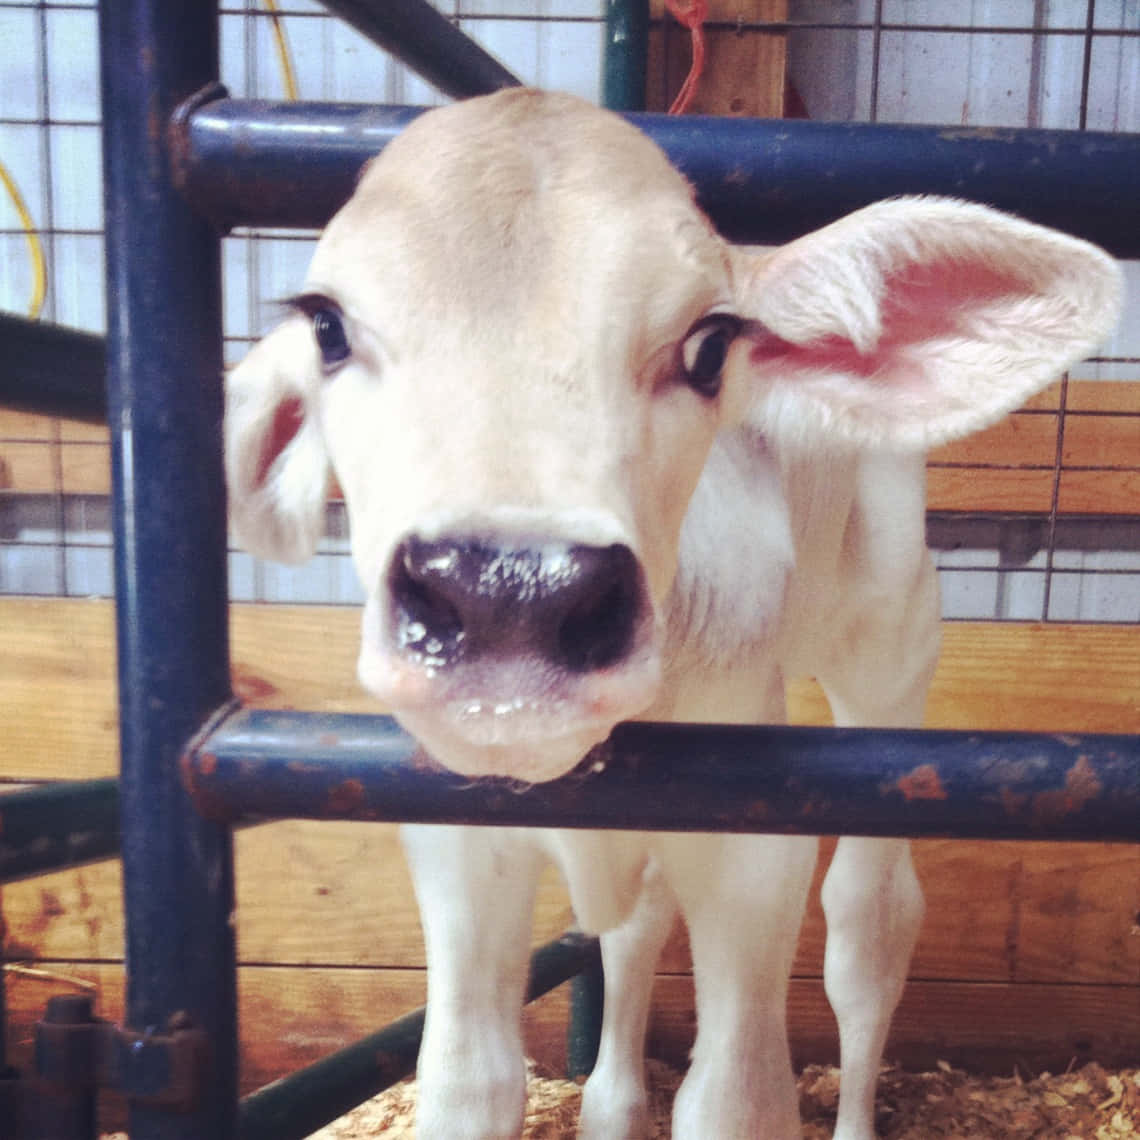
463, 599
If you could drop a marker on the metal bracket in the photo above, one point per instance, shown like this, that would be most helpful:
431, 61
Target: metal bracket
164, 1069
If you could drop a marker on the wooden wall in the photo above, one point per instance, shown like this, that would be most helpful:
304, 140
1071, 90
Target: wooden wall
1030, 954
1011, 467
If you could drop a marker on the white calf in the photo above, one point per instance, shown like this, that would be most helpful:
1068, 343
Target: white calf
600, 464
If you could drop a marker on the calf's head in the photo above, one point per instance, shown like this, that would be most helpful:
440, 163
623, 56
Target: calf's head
515, 349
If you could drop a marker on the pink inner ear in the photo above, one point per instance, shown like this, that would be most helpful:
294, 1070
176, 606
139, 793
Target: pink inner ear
921, 303
287, 421
826, 355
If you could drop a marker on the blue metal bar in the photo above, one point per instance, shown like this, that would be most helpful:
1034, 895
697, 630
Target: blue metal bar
654, 777
57, 825
247, 162
164, 350
306, 1100
428, 42
52, 370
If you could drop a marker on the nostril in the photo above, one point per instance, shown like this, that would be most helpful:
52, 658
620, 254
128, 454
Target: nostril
598, 629
463, 599
427, 620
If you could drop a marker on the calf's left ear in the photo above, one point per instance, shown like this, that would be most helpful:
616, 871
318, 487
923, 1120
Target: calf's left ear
277, 469
912, 322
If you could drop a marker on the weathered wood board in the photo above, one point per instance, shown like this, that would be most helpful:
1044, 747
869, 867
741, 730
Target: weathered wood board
1010, 467
1030, 953
745, 67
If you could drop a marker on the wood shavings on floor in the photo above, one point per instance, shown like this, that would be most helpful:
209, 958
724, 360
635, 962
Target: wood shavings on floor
1087, 1104
947, 1104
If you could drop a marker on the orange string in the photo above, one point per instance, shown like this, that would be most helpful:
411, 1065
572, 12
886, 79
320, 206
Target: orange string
692, 15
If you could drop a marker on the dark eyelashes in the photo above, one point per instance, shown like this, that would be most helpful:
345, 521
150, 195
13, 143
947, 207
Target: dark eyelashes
309, 304
327, 320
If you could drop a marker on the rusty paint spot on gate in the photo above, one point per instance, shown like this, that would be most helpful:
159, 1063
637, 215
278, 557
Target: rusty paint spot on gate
1082, 784
345, 797
923, 783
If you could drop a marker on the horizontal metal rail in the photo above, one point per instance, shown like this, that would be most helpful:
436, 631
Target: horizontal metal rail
57, 825
251, 162
52, 370
428, 42
686, 778
308, 1099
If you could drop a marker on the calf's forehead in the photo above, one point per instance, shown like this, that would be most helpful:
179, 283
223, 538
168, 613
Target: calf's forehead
534, 209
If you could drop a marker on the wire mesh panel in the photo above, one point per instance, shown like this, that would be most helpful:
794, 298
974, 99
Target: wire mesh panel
1037, 519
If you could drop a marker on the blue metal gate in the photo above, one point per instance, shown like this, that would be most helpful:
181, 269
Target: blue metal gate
183, 162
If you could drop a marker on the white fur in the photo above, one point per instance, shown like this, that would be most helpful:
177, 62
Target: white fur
517, 275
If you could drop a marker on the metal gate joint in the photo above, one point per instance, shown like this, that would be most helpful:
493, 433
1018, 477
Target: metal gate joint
165, 1069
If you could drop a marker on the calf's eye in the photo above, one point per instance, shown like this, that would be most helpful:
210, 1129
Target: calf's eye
327, 321
705, 349
328, 329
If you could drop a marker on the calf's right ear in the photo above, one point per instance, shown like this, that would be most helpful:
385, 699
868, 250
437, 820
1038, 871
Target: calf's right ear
277, 469
915, 321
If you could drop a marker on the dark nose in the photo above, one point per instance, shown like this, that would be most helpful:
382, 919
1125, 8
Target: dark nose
575, 607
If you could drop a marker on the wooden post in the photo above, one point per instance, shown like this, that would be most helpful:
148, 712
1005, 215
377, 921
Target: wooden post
745, 66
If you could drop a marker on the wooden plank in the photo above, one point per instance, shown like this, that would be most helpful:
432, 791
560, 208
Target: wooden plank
28, 468
75, 432
337, 894
1100, 493
291, 1016
1048, 399
30, 426
997, 912
985, 1028
57, 669
1025, 439
57, 687
973, 489
1036, 677
86, 468
1102, 441
1104, 396
34, 461
31, 468
744, 71
1085, 395
1028, 491
25, 426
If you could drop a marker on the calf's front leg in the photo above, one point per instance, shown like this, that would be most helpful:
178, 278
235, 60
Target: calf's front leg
615, 1102
874, 907
475, 888
742, 897
871, 895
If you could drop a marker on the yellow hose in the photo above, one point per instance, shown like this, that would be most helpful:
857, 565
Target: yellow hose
288, 76
35, 246
31, 234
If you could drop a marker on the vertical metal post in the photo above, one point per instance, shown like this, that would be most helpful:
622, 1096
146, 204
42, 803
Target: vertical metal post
66, 1111
11, 1088
164, 353
625, 54
587, 1006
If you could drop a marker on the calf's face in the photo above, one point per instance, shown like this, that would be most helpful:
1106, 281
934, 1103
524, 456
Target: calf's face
512, 344
514, 350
